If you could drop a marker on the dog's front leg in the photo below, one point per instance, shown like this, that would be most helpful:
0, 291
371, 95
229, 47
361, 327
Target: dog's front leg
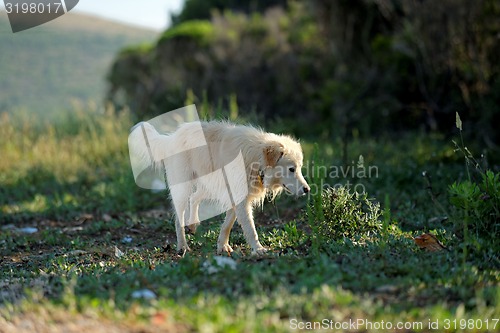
182, 245
223, 241
244, 215
180, 197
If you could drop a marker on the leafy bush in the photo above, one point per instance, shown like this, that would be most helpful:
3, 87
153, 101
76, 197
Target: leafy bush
203, 9
200, 30
340, 213
370, 67
232, 54
478, 205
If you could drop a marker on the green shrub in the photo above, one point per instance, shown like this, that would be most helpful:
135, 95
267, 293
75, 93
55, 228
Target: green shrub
140, 49
202, 31
340, 213
477, 202
478, 205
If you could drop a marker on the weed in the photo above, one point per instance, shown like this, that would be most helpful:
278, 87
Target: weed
315, 207
345, 215
480, 202
477, 205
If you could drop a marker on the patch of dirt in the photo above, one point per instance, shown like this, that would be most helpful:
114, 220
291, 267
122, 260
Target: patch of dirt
47, 321
90, 237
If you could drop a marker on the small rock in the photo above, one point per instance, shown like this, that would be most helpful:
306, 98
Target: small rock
28, 230
127, 239
144, 293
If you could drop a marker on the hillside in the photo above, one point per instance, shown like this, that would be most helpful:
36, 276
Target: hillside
49, 68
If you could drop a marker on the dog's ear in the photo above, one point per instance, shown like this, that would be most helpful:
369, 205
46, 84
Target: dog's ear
272, 154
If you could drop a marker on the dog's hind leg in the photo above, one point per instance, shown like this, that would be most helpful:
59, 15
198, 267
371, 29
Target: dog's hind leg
194, 204
182, 245
223, 241
245, 219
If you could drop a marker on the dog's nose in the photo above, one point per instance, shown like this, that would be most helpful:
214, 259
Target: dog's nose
306, 189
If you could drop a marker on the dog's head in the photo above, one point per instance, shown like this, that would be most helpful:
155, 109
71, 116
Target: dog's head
283, 167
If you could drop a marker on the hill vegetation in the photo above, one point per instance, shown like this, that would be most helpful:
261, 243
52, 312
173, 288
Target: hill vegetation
365, 67
48, 69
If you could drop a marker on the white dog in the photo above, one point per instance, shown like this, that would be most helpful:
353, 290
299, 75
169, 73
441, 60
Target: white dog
271, 163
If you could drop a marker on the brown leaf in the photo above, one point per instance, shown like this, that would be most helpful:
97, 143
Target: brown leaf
159, 318
429, 242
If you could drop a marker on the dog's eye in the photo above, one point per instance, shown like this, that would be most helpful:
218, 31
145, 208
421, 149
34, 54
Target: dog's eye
292, 169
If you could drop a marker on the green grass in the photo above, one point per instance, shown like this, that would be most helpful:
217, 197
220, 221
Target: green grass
74, 184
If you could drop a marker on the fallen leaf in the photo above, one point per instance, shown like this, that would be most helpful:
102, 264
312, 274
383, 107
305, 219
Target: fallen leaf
437, 219
429, 242
118, 253
159, 318
83, 218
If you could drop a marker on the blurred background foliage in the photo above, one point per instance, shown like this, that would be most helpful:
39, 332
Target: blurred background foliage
325, 68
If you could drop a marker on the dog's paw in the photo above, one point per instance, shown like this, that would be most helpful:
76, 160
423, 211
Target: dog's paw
182, 249
259, 251
225, 248
191, 228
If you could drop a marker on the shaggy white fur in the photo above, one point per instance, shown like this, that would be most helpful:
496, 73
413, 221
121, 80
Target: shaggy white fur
233, 165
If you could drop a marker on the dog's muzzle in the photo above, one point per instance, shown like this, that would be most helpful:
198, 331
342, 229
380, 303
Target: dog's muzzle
305, 189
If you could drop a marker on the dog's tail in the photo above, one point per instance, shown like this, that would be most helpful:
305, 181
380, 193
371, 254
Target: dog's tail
147, 149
